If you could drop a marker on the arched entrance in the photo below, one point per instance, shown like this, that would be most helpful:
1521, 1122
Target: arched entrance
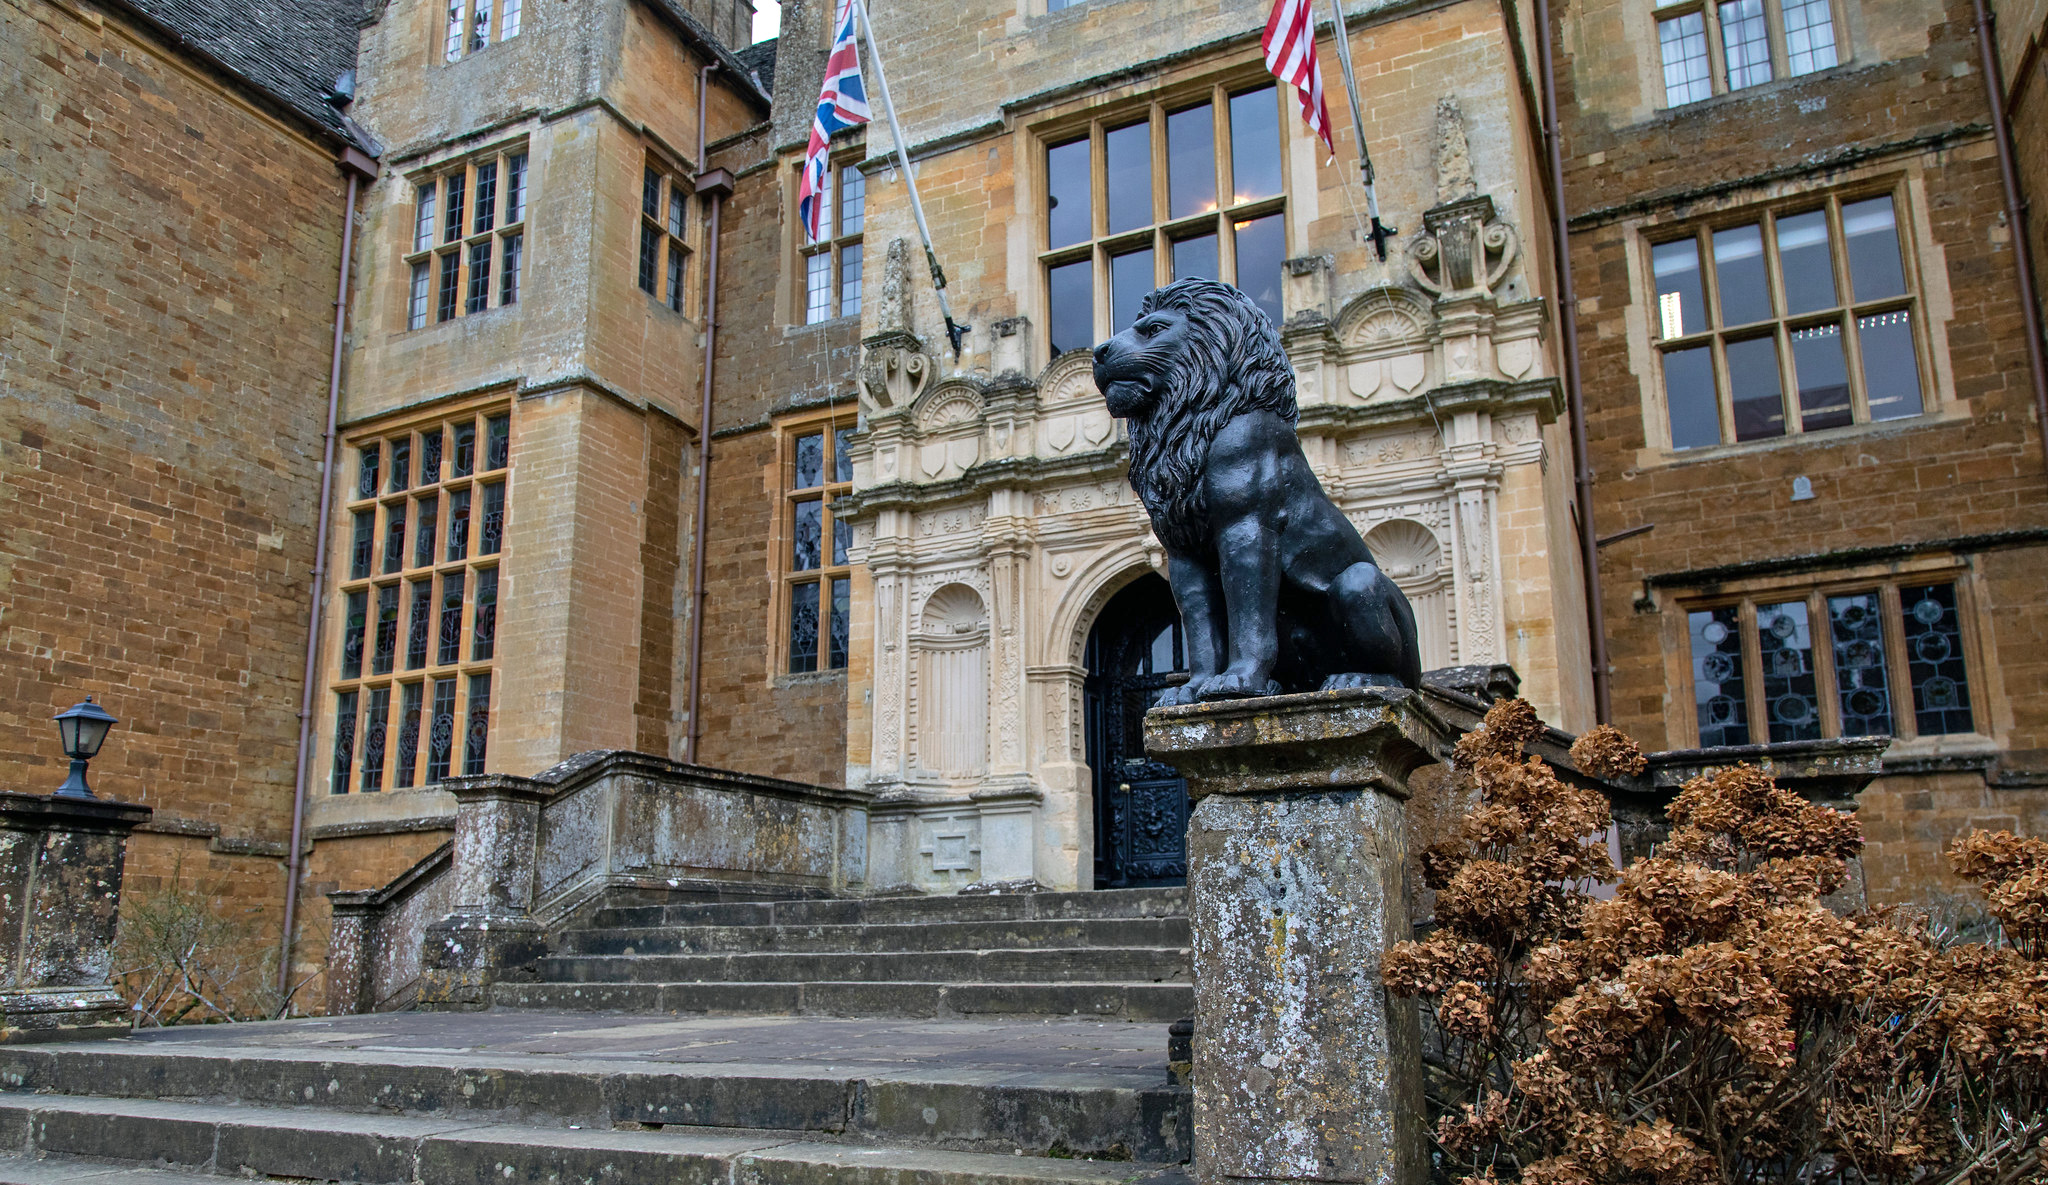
1141, 806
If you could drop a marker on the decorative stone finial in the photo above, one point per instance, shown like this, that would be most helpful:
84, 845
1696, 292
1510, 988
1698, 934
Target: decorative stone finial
892, 312
1454, 181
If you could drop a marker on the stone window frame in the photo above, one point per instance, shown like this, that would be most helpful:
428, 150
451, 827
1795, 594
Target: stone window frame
1716, 336
1101, 246
662, 254
832, 250
476, 25
444, 258
1980, 684
1711, 28
425, 558
836, 424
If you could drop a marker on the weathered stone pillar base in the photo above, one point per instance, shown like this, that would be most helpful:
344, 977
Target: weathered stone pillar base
462, 956
1304, 1069
61, 865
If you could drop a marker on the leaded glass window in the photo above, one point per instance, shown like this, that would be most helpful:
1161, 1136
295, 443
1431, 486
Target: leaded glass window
374, 719
1934, 659
1759, 659
481, 223
1717, 680
1711, 47
417, 635
1117, 225
472, 25
832, 262
1786, 321
664, 266
818, 580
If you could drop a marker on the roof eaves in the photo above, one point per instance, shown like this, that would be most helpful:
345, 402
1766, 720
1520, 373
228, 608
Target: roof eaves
694, 32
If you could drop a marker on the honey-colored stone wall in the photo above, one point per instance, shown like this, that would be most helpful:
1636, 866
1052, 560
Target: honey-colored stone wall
1906, 108
166, 319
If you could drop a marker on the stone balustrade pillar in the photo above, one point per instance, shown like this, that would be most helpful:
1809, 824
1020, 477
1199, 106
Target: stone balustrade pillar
491, 932
61, 865
1304, 1069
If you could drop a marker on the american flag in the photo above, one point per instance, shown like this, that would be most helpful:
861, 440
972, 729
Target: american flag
1290, 44
842, 103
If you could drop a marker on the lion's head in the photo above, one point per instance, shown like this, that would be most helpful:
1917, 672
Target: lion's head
1199, 355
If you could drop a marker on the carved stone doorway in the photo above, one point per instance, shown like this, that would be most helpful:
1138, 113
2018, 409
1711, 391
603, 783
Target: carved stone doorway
1135, 653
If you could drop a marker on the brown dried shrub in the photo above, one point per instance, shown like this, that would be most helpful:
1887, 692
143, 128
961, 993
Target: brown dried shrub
1712, 1020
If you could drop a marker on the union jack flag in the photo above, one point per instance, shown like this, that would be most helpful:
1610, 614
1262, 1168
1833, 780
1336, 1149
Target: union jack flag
842, 103
1290, 44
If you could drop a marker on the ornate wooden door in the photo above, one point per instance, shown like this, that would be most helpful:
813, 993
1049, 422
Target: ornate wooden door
1135, 652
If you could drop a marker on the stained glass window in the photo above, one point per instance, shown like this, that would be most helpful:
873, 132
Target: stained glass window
408, 757
441, 731
374, 723
1791, 696
483, 642
344, 740
406, 608
1719, 694
1856, 628
1878, 638
476, 739
803, 627
451, 618
1934, 659
426, 515
387, 631
820, 593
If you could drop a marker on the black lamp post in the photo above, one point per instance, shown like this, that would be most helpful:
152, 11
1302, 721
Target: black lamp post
83, 729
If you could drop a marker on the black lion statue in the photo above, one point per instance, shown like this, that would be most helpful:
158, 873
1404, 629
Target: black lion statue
1277, 591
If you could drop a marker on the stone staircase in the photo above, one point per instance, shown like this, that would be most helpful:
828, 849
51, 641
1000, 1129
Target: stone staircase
1114, 954
975, 1040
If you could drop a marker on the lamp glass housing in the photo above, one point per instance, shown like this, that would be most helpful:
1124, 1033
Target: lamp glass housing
83, 729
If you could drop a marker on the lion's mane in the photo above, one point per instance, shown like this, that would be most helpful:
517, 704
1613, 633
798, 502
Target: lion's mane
1231, 363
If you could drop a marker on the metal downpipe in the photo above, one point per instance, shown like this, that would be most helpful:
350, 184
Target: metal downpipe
295, 857
2015, 215
1568, 330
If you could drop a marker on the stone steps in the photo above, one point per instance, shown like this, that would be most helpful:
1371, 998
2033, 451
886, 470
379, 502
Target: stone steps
1153, 1002
211, 1141
432, 1097
878, 938
856, 911
1115, 954
1057, 965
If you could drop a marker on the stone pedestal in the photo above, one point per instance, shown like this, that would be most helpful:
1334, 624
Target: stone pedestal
1304, 1070
61, 862
491, 930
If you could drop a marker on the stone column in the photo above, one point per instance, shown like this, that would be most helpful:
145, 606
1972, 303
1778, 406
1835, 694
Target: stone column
348, 951
491, 934
1304, 1070
61, 862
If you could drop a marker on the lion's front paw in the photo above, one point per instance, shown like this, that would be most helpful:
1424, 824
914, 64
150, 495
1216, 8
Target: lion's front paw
1360, 679
1174, 697
1237, 685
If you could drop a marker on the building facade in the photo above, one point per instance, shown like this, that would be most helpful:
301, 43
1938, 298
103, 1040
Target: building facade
1815, 443
578, 284
950, 532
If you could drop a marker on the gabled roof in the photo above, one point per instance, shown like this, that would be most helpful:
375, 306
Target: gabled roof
294, 51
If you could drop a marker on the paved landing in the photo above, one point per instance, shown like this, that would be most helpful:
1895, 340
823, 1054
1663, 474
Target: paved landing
1115, 1048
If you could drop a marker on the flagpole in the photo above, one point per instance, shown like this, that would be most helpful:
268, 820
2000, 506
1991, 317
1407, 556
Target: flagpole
1380, 233
954, 330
